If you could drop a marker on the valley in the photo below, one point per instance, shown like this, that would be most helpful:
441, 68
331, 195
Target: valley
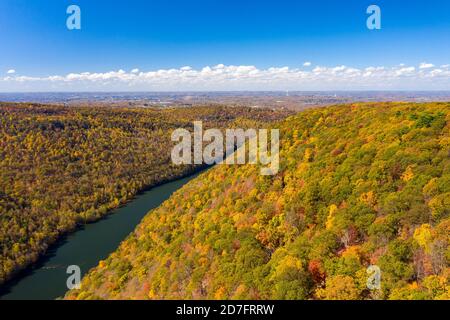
64, 167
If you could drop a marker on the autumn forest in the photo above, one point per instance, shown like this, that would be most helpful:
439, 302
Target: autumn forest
359, 185
62, 167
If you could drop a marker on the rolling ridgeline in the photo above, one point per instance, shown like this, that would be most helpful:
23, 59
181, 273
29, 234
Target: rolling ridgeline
359, 185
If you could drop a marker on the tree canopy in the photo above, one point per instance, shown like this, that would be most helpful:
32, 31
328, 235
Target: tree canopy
359, 185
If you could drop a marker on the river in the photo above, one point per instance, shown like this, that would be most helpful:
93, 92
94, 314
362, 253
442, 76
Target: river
46, 280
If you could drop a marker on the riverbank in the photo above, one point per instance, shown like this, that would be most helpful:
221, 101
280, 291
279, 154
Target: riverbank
46, 279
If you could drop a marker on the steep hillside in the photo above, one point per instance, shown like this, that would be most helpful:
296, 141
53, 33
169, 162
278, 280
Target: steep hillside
359, 185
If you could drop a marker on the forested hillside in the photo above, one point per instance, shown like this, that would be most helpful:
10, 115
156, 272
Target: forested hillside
64, 166
359, 185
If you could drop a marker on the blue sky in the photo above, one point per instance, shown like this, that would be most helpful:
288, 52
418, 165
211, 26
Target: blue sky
155, 34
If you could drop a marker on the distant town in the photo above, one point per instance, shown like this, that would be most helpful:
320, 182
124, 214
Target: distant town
294, 100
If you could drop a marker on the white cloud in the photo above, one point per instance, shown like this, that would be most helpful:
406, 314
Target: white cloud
405, 71
247, 77
11, 71
425, 65
307, 64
